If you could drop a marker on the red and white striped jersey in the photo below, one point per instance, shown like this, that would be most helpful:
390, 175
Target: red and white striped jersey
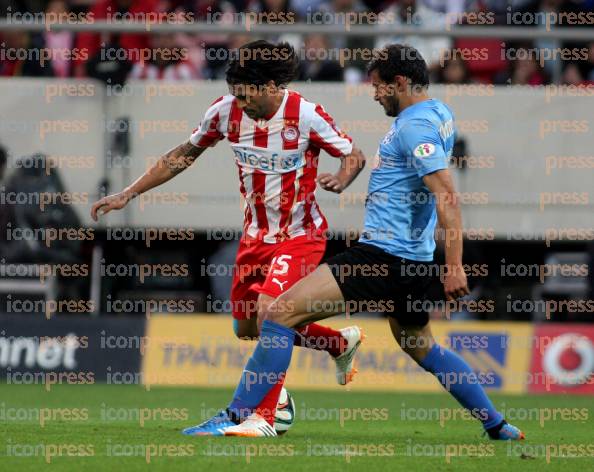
277, 160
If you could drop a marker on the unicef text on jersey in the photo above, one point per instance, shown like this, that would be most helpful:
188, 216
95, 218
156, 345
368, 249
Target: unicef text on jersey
273, 162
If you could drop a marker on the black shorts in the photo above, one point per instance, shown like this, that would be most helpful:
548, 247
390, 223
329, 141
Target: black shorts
371, 280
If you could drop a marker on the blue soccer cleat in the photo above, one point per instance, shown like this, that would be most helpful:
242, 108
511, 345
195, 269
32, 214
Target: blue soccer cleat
506, 432
213, 427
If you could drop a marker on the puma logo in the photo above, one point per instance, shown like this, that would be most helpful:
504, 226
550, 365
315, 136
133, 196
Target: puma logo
280, 284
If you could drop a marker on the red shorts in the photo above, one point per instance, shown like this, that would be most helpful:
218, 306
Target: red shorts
271, 269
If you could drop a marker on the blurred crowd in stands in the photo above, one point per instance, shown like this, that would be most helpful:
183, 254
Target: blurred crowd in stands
179, 56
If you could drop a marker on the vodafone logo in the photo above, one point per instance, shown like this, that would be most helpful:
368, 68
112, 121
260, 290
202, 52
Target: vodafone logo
569, 359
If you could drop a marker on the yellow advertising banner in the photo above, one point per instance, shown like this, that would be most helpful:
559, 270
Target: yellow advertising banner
202, 350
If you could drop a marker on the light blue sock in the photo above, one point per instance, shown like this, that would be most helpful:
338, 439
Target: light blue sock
268, 364
458, 378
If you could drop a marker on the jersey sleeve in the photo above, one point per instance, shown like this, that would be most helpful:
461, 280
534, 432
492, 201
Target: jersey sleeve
208, 132
325, 134
420, 142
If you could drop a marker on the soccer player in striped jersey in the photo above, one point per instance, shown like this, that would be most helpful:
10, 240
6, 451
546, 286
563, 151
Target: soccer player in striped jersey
398, 235
276, 137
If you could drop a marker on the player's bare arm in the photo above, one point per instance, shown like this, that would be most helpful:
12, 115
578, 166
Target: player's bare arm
450, 219
350, 167
168, 166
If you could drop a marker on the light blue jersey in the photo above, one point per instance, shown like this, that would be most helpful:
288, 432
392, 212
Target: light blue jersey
400, 215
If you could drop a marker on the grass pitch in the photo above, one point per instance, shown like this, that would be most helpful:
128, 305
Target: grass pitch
109, 427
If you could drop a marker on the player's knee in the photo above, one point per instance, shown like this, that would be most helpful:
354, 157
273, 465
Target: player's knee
264, 302
279, 311
244, 331
269, 313
417, 347
247, 335
417, 355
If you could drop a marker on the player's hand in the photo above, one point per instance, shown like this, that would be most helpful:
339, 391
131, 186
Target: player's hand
331, 183
116, 201
455, 284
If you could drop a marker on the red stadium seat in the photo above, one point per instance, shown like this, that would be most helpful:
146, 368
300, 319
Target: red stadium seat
481, 69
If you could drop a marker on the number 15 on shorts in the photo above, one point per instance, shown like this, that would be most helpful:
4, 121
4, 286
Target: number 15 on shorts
279, 266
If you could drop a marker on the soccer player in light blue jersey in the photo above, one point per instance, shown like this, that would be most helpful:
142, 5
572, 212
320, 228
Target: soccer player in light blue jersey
410, 190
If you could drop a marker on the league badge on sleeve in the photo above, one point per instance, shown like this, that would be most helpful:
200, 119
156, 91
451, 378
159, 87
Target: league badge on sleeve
424, 150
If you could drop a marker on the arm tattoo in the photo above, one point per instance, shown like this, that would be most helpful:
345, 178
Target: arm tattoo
181, 157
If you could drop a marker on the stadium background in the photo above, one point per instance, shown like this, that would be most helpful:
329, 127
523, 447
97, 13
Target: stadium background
74, 295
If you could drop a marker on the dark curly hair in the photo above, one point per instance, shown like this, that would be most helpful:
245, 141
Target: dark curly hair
259, 62
400, 59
